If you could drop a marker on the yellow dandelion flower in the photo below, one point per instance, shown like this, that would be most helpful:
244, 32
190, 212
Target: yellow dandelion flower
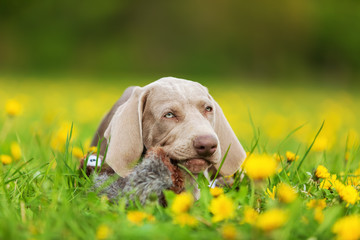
354, 179
185, 219
250, 215
286, 193
260, 166
291, 157
216, 191
271, 219
328, 182
314, 203
182, 203
339, 186
222, 207
138, 217
347, 228
322, 172
349, 194
318, 206
15, 150
77, 152
13, 108
92, 149
271, 194
5, 159
58, 140
228, 231
319, 215
103, 232
277, 157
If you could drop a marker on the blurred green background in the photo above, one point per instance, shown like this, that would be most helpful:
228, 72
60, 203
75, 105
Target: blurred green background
272, 41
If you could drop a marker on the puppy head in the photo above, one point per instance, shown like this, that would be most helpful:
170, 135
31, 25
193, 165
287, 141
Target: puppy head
181, 117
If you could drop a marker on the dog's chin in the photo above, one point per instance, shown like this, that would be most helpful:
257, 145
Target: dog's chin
195, 165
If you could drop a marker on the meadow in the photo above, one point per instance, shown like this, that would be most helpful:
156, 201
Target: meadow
302, 178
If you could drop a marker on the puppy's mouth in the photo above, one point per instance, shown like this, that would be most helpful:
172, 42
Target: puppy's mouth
195, 165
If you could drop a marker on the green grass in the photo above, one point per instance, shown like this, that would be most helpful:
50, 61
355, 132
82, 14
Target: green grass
44, 196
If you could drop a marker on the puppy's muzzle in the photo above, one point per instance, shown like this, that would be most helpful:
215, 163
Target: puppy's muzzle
205, 145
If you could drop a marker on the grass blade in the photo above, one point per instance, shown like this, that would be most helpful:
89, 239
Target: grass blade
308, 150
188, 171
221, 164
291, 133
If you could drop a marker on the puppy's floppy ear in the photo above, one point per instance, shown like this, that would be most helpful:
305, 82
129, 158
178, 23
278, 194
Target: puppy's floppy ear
124, 134
226, 135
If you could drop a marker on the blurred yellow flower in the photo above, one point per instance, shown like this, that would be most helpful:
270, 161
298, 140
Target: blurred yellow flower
103, 232
277, 157
260, 166
185, 219
182, 202
15, 150
286, 193
250, 215
222, 208
339, 186
271, 194
319, 215
271, 219
328, 182
77, 152
216, 191
347, 228
138, 217
322, 172
58, 140
314, 203
5, 159
354, 180
228, 231
318, 206
349, 194
290, 156
13, 108
92, 149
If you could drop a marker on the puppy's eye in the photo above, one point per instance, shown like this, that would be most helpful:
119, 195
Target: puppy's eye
169, 115
209, 109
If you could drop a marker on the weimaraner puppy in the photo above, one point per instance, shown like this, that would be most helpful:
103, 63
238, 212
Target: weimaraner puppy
176, 114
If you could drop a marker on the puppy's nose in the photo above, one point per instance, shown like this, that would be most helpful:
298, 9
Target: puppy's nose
205, 145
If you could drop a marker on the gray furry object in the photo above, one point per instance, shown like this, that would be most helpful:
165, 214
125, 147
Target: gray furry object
150, 177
